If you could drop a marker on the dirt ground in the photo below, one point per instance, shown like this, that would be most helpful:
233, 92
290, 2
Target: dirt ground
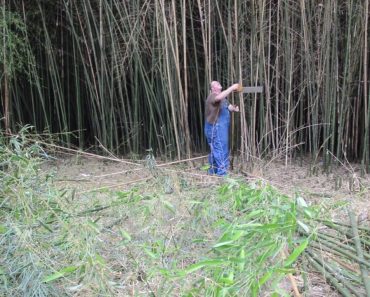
344, 184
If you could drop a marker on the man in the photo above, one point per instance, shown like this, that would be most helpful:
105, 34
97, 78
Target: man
217, 123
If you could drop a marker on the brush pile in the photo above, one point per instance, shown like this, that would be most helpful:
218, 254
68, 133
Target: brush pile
340, 252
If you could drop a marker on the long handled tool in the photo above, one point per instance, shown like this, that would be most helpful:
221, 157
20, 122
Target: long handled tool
248, 90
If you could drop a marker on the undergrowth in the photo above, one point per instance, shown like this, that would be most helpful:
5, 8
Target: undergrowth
236, 239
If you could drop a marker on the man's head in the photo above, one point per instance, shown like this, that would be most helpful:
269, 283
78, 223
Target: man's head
215, 87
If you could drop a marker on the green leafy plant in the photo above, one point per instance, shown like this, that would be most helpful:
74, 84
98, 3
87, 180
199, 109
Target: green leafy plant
258, 245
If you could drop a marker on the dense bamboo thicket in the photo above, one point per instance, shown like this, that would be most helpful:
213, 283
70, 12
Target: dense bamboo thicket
133, 75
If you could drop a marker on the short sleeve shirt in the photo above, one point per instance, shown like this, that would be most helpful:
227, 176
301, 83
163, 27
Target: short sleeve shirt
213, 108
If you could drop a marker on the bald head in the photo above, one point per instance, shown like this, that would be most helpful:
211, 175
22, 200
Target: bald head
215, 87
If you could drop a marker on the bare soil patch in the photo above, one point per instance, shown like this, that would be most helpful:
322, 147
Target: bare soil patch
343, 184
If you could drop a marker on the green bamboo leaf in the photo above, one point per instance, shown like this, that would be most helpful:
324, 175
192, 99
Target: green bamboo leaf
232, 235
61, 273
271, 250
223, 244
124, 234
267, 227
45, 226
242, 257
284, 270
172, 273
150, 253
205, 263
304, 226
227, 280
99, 259
93, 225
296, 252
308, 213
254, 213
169, 206
236, 260
3, 229
265, 278
53, 277
222, 292
250, 226
198, 240
195, 202
301, 202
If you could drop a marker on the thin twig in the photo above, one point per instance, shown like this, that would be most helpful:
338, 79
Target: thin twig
78, 152
117, 185
181, 161
105, 149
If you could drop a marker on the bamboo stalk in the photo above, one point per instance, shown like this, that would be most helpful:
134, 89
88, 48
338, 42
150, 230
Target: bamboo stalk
5, 73
121, 71
338, 251
336, 242
334, 275
330, 278
344, 264
364, 272
333, 223
348, 234
366, 111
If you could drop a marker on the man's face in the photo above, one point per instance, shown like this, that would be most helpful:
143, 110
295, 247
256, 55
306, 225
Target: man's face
216, 87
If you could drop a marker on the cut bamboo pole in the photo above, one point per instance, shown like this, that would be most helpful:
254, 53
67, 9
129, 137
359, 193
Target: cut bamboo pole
356, 239
330, 278
335, 275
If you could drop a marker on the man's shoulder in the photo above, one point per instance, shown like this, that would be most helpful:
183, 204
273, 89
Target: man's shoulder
211, 97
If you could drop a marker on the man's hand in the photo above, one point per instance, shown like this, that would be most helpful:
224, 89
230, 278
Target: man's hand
240, 88
235, 87
233, 108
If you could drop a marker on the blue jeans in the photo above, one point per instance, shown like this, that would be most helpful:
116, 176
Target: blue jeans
217, 135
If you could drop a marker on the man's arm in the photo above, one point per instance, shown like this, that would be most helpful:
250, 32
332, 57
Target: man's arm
227, 92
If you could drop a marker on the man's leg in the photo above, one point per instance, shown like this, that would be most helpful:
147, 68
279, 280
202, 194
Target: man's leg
219, 154
211, 161
210, 135
222, 149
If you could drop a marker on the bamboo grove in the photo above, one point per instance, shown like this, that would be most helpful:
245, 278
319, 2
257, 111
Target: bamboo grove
133, 75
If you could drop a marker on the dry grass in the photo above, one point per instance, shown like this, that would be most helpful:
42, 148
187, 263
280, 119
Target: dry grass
318, 189
88, 225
